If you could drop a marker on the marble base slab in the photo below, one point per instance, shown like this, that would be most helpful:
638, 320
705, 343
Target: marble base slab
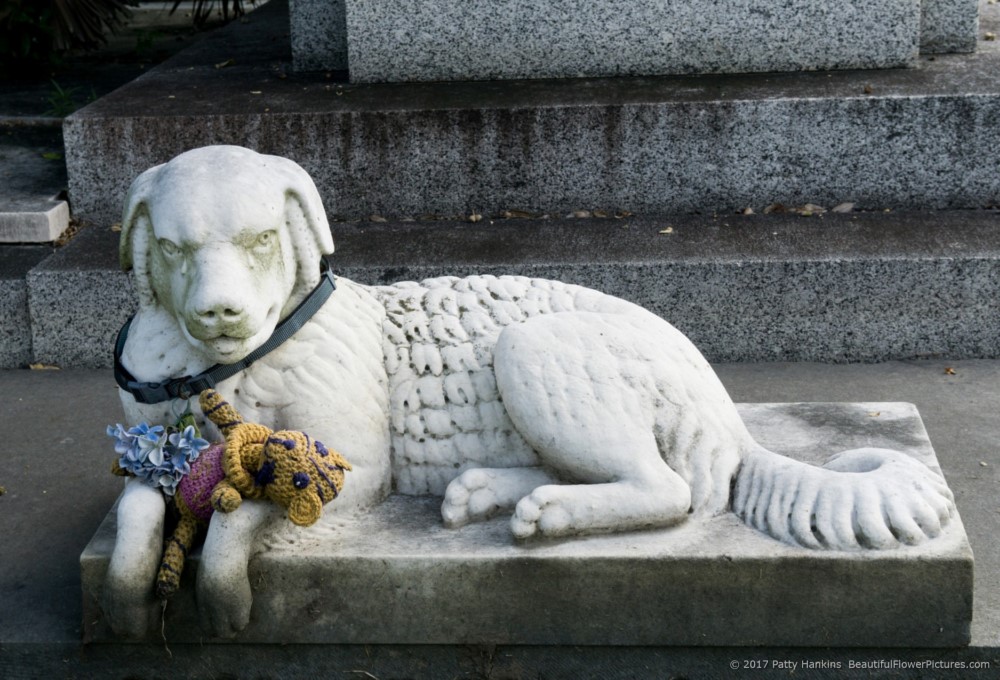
407, 41
32, 176
398, 576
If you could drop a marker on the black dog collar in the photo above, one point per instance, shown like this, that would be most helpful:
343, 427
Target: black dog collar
188, 386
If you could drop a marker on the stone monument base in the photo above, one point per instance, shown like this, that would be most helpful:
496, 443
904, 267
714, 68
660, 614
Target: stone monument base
398, 576
457, 40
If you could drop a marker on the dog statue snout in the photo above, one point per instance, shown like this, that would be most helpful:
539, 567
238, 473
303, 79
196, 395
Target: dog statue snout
221, 313
211, 318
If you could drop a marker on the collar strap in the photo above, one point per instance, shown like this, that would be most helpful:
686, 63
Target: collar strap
188, 386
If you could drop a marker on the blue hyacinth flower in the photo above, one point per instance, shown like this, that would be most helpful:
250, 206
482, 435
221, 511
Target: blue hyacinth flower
159, 457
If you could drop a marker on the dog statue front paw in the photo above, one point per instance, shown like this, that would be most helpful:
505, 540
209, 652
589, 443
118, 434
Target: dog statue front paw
224, 599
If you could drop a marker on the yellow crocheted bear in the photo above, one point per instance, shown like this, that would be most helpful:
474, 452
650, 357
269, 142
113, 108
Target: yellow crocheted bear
287, 467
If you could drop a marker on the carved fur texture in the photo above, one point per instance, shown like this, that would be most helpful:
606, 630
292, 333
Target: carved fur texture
448, 415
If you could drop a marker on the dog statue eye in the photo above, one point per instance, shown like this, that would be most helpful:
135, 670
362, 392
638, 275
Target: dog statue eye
300, 480
168, 247
265, 240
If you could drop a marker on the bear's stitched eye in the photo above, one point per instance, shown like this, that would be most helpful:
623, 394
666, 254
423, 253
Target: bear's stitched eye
300, 480
168, 247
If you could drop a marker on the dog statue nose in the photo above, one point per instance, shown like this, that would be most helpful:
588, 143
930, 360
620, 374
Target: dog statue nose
220, 314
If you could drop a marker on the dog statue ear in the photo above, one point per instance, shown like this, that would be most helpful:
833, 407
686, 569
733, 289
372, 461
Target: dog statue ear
310, 206
133, 244
305, 219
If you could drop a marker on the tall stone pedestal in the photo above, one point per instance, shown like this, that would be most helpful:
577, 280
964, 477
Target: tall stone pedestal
534, 34
424, 40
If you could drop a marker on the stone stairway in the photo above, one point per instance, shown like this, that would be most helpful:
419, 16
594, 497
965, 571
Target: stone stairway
664, 171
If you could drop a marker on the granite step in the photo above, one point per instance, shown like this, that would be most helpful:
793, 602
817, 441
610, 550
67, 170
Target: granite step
776, 287
15, 316
915, 139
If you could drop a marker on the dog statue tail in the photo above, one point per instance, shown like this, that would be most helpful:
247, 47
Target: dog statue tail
860, 499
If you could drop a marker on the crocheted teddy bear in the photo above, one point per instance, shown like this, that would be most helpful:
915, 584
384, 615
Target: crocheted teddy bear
287, 467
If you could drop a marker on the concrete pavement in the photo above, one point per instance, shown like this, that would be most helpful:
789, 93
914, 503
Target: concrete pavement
54, 465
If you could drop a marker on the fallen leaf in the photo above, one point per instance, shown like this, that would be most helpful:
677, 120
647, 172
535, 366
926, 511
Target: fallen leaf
748, 211
52, 156
989, 36
874, 414
225, 64
517, 214
949, 371
842, 208
376, 218
622, 213
600, 213
983, 463
43, 367
116, 227
256, 92
2, 491
475, 217
774, 208
581, 213
868, 89
810, 209
71, 231
668, 230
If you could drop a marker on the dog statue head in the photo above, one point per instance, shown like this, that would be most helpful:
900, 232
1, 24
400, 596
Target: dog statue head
227, 241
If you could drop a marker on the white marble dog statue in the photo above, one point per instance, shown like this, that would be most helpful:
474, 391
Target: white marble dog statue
575, 411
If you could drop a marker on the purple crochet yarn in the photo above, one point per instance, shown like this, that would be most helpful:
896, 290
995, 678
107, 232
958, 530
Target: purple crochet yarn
196, 487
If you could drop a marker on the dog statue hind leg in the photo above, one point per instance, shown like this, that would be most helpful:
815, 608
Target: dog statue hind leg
594, 394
